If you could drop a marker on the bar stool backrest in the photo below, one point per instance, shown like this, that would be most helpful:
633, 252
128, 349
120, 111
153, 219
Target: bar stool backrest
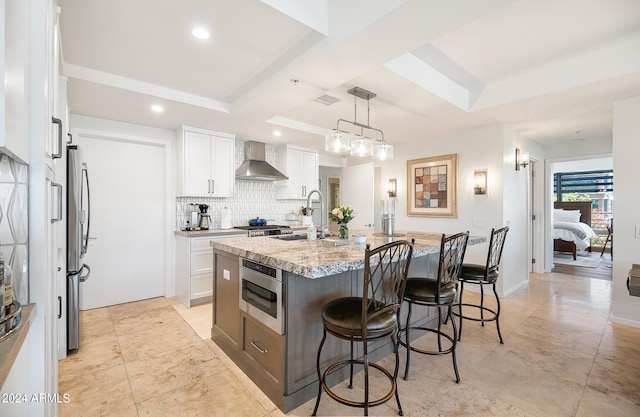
385, 276
452, 250
496, 244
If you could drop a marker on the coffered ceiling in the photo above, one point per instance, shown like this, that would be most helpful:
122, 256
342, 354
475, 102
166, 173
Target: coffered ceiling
550, 68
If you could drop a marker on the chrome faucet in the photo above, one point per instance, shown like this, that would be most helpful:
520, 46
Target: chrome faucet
321, 210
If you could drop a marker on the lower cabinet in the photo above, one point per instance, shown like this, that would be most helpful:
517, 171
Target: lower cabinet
262, 350
194, 270
264, 346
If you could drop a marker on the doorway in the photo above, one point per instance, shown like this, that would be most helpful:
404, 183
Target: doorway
588, 179
329, 185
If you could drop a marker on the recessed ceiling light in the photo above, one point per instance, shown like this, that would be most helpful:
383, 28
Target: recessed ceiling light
277, 133
200, 32
157, 108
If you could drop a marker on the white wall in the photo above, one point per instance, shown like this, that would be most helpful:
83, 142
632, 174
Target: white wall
579, 150
584, 165
626, 147
488, 148
515, 205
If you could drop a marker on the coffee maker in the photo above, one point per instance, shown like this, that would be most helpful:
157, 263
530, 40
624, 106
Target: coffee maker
192, 217
205, 219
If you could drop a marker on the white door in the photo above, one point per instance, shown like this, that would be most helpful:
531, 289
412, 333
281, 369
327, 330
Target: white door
126, 247
356, 190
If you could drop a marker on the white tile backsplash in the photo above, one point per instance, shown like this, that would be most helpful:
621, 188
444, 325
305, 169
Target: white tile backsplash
14, 215
251, 199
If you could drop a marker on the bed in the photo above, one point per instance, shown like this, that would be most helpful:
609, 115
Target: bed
571, 226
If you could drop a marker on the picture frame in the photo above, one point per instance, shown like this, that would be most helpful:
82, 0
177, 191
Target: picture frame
439, 198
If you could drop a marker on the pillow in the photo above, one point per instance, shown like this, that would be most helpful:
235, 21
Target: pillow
569, 216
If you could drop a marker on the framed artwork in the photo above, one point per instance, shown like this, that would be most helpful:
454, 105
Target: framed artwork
432, 186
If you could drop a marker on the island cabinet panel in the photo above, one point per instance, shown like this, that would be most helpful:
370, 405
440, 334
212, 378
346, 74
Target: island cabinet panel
305, 299
262, 357
226, 310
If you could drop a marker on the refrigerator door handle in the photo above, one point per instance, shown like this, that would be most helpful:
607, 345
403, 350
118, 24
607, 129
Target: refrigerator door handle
83, 278
59, 216
85, 244
59, 153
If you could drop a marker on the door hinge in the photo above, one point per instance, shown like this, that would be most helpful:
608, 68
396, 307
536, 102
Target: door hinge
533, 217
533, 260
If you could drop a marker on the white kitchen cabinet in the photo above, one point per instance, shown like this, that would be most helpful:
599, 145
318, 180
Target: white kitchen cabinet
205, 163
301, 166
194, 268
14, 69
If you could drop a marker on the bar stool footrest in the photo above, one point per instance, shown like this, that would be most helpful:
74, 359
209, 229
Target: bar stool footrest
429, 352
493, 317
372, 403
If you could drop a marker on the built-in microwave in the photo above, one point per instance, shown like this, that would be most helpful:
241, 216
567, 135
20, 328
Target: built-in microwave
261, 294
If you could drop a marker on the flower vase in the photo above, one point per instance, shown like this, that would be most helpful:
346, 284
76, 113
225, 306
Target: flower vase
343, 231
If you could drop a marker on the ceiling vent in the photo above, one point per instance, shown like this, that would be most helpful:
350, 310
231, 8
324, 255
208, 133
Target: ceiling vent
326, 99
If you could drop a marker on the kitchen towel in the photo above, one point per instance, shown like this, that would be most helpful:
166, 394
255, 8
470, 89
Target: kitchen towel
225, 218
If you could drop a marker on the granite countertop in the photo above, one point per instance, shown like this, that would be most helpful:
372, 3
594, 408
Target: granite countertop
319, 258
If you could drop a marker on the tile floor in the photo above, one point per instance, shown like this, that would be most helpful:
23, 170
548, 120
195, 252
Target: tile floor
562, 357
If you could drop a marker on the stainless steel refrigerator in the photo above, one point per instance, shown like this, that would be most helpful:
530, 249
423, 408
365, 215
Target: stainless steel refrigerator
78, 222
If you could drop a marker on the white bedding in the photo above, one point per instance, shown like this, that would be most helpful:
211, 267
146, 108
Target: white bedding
561, 230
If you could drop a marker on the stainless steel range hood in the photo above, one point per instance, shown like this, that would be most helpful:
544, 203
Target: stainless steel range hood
255, 167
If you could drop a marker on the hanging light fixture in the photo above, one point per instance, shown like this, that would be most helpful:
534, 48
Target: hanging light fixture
383, 151
359, 145
337, 142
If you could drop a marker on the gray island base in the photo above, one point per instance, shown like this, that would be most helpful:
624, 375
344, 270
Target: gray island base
283, 365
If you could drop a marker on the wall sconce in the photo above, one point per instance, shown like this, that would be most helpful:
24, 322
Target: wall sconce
480, 182
392, 187
522, 159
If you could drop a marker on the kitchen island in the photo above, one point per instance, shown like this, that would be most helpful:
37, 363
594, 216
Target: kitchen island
281, 359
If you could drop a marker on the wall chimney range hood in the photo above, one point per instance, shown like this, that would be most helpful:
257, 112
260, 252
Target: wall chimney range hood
255, 167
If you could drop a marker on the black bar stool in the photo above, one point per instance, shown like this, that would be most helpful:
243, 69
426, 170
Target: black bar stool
373, 316
439, 292
483, 275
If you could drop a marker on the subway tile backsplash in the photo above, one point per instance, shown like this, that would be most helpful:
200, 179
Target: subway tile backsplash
14, 222
252, 199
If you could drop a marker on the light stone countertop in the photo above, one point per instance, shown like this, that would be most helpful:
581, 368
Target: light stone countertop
320, 258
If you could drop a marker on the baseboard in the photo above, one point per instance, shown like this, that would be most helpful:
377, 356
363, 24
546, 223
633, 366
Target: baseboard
516, 288
626, 322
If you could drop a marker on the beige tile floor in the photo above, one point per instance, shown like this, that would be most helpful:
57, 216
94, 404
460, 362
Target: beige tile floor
561, 357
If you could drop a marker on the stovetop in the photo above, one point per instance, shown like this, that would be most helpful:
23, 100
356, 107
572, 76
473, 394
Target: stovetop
263, 227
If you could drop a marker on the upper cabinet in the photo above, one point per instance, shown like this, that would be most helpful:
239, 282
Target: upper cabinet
14, 68
205, 166
301, 166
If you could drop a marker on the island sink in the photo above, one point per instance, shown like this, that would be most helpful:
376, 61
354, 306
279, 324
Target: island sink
289, 237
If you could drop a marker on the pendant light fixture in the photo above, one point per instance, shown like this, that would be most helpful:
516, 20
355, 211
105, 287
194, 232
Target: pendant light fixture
359, 145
